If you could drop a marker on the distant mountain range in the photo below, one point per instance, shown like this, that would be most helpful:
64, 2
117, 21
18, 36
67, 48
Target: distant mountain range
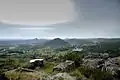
28, 41
57, 42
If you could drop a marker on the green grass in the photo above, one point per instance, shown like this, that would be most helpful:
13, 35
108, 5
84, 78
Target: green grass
48, 67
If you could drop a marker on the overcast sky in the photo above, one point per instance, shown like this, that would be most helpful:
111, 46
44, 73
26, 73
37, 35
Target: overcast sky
59, 18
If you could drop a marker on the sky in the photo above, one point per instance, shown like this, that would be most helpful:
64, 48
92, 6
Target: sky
59, 18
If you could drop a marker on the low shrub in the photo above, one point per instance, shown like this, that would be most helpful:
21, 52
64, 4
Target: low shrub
95, 74
76, 74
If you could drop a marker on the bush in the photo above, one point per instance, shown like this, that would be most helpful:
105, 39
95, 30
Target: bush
74, 57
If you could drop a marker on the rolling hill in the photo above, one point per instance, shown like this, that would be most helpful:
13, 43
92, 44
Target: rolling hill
56, 43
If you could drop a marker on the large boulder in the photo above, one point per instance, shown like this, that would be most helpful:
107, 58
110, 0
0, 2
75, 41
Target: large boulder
34, 63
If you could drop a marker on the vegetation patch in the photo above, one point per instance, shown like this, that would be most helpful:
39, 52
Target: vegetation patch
95, 74
76, 74
13, 75
48, 67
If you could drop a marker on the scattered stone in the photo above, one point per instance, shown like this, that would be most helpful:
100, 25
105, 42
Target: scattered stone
62, 76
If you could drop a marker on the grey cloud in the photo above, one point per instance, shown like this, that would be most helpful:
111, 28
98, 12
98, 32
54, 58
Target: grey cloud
95, 18
36, 11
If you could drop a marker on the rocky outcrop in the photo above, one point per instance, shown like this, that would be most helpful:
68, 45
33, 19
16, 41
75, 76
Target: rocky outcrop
93, 63
19, 69
65, 66
111, 64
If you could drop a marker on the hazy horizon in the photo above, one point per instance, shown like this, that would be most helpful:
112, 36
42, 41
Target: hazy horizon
28, 19
55, 38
